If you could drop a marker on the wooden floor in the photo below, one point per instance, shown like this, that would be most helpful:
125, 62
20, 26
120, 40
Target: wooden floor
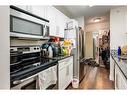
97, 78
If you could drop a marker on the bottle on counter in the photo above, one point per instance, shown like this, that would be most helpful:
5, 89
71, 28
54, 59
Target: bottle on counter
50, 52
119, 51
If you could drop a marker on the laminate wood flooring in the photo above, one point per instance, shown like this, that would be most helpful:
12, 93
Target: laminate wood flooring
97, 78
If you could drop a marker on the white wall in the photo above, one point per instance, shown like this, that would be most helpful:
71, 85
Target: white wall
97, 26
81, 21
118, 27
4, 48
89, 45
104, 24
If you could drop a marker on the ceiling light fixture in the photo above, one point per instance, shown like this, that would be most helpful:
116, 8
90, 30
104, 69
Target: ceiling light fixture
98, 19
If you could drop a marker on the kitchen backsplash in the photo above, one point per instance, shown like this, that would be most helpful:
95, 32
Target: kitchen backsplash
20, 42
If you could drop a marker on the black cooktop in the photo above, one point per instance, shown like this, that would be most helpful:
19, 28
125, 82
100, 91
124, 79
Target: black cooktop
33, 69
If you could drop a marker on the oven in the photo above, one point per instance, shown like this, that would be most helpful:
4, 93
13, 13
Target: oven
27, 66
23, 58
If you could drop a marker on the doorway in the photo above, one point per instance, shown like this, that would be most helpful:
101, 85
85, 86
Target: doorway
104, 49
101, 48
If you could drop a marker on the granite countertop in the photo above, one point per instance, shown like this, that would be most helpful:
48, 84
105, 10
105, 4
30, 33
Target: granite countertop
61, 57
122, 64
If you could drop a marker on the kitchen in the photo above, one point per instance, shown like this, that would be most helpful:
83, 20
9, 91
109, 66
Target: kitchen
48, 48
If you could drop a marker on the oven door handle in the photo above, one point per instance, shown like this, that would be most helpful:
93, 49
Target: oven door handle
22, 80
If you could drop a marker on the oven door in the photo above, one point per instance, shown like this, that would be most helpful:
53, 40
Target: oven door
20, 27
30, 83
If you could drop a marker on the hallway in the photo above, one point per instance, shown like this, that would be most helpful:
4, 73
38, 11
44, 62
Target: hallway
97, 78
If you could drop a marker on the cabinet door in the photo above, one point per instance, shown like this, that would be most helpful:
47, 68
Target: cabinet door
65, 76
52, 20
123, 82
65, 72
46, 12
38, 10
120, 80
57, 21
62, 78
70, 74
60, 23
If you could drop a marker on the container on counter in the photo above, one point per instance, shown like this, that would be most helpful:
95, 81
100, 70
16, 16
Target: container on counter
119, 51
50, 52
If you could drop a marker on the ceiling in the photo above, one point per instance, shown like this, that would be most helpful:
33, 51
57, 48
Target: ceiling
74, 11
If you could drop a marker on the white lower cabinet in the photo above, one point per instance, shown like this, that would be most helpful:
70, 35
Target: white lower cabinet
120, 80
65, 72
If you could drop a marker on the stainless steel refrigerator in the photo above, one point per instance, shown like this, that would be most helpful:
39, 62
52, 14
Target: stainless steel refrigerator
77, 36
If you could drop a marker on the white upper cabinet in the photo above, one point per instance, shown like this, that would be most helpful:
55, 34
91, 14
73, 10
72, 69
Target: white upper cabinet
38, 10
57, 22
60, 24
52, 20
57, 19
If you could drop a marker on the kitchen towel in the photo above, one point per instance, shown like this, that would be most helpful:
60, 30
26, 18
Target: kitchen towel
47, 77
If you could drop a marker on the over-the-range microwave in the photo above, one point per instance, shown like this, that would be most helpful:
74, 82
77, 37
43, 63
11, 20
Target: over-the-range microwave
26, 25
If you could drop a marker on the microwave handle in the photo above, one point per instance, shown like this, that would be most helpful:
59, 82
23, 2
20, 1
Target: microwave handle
44, 30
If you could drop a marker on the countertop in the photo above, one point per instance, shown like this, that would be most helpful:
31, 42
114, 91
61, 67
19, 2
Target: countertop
61, 57
122, 64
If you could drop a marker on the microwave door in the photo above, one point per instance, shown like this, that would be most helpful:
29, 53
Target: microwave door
25, 26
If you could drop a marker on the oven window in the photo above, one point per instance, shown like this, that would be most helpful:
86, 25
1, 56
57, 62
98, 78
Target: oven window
31, 85
20, 25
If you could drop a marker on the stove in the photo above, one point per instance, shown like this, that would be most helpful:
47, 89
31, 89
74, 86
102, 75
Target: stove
26, 61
